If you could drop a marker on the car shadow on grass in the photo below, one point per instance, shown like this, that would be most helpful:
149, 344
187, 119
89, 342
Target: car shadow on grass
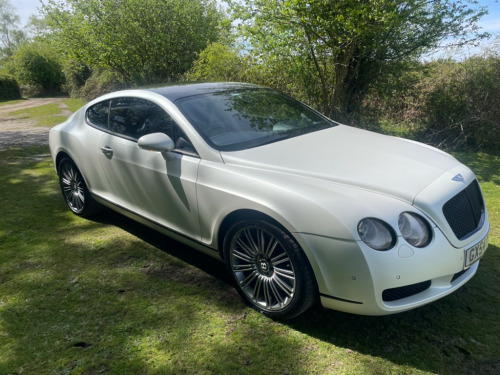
451, 336
187, 254
76, 296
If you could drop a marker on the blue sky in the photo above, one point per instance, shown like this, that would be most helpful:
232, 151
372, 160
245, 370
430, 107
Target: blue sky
491, 22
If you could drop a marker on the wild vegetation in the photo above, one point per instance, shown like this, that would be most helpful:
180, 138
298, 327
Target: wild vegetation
357, 62
9, 88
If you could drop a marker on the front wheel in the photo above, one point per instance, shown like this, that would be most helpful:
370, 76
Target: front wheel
75, 192
270, 270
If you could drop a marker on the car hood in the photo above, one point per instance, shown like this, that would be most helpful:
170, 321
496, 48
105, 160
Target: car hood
354, 157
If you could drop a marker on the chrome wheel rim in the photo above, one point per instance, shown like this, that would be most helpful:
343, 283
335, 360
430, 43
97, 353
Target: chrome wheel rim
72, 187
262, 268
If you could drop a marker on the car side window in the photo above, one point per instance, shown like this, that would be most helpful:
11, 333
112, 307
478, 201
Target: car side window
97, 115
132, 118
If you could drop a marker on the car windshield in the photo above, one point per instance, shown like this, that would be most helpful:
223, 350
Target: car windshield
241, 119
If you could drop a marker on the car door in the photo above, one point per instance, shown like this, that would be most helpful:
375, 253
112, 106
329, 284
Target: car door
96, 120
159, 187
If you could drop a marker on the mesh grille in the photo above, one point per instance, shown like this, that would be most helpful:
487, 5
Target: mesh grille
464, 211
394, 294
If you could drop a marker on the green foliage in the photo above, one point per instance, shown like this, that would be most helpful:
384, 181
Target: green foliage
76, 74
331, 51
218, 62
38, 64
9, 88
464, 106
141, 41
446, 103
100, 83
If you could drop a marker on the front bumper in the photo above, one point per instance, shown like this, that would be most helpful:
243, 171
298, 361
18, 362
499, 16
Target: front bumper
354, 278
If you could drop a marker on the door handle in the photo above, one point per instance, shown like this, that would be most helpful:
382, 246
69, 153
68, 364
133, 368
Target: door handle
108, 151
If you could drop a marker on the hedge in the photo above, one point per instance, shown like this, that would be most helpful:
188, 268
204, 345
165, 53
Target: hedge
9, 88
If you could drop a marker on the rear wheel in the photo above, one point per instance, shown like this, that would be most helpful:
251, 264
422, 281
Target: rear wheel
270, 270
75, 191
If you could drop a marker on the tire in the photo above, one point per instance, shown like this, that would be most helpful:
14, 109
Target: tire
75, 191
270, 270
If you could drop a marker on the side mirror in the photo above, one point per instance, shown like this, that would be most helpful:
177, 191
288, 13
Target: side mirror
159, 142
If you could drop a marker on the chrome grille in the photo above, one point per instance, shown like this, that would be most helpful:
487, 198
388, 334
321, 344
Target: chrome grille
464, 212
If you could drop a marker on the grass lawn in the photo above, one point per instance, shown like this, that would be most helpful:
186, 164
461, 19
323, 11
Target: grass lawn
8, 102
47, 115
74, 104
112, 297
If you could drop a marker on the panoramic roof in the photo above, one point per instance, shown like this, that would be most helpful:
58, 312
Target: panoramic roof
181, 91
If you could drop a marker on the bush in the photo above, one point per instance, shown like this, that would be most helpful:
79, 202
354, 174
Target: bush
76, 74
217, 62
37, 64
445, 103
9, 88
463, 108
100, 83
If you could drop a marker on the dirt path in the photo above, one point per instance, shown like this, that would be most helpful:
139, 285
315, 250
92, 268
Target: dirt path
15, 132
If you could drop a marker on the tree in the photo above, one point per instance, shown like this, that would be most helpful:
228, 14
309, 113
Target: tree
9, 88
37, 64
218, 62
331, 51
10, 35
144, 41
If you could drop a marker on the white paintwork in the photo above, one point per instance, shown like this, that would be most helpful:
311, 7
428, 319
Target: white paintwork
159, 142
318, 186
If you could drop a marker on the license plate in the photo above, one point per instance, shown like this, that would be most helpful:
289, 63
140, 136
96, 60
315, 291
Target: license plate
475, 252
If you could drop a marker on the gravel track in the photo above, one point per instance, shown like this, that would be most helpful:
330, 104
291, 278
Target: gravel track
19, 133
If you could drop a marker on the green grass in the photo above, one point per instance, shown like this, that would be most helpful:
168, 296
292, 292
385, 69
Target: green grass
74, 104
9, 102
46, 115
41, 110
112, 297
50, 121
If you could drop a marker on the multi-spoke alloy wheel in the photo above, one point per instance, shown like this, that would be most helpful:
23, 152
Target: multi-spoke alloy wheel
269, 268
75, 191
72, 187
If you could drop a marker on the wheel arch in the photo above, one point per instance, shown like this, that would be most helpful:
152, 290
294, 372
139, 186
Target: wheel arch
59, 157
239, 215
63, 154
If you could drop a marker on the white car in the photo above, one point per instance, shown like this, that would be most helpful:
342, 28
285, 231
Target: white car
299, 208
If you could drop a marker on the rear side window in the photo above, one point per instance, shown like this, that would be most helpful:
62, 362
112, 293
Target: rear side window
97, 115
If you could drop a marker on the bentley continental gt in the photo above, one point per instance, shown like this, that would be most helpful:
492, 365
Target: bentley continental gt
299, 208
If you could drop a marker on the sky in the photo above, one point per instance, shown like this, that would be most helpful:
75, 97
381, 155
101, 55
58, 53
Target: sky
490, 23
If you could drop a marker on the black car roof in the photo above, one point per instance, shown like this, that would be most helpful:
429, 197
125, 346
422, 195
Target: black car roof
181, 91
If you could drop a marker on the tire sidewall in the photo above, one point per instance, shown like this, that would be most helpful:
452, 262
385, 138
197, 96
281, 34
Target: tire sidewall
301, 300
87, 197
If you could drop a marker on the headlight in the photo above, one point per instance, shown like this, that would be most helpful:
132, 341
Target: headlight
414, 229
376, 234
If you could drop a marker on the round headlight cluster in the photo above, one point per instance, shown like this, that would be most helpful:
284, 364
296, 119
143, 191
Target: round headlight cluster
380, 236
414, 229
376, 234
